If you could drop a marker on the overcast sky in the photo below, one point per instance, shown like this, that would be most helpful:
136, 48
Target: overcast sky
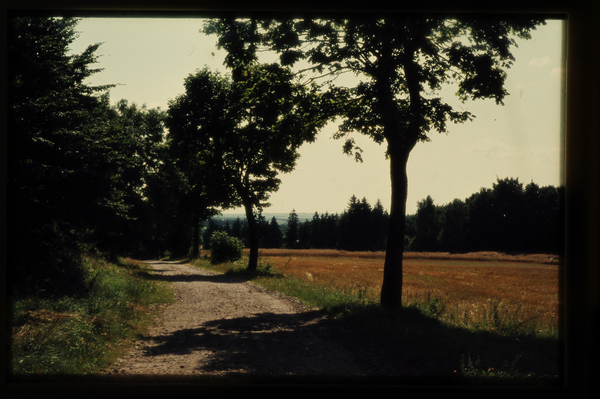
149, 59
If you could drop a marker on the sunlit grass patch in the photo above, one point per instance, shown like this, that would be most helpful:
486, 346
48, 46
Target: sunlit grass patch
83, 335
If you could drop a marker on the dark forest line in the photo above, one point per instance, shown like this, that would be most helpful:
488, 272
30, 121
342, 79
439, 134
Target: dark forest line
509, 217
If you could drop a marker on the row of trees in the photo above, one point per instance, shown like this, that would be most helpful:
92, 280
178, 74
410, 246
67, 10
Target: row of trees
506, 218
360, 227
86, 173
78, 165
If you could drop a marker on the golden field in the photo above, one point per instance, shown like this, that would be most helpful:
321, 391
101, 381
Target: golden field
467, 284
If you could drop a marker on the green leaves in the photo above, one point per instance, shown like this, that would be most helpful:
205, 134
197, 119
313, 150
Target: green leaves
235, 134
385, 51
78, 164
395, 60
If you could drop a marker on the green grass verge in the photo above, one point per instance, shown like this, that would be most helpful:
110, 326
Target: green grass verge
431, 339
81, 336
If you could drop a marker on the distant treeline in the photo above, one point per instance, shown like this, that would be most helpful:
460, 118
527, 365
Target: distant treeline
506, 218
322, 231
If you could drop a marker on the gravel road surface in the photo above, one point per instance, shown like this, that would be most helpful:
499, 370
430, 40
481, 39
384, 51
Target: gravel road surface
222, 326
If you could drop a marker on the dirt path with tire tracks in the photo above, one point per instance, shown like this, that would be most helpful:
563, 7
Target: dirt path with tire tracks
221, 326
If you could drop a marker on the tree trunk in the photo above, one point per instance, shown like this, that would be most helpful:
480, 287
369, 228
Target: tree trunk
195, 250
391, 289
401, 141
253, 233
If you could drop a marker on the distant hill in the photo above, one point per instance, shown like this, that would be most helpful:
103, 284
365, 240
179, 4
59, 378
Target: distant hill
281, 217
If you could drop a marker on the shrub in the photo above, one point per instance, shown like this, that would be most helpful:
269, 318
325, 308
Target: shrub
224, 248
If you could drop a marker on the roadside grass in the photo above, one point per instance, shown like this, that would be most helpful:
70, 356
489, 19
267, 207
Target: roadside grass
487, 339
82, 336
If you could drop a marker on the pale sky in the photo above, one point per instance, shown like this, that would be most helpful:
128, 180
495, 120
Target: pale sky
149, 58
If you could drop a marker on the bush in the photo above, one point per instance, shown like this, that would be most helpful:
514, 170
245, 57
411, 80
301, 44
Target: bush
224, 248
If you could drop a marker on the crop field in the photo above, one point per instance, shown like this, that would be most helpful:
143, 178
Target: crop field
469, 285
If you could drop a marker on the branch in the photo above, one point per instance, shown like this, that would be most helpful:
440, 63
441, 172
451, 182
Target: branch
337, 73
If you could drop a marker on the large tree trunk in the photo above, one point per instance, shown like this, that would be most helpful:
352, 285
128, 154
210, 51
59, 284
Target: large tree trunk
391, 289
253, 233
401, 141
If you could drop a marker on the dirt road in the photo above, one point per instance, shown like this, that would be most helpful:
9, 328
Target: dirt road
220, 326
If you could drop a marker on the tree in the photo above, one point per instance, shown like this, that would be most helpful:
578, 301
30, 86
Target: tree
60, 180
304, 234
316, 237
509, 207
242, 132
238, 229
379, 223
291, 234
208, 232
134, 138
274, 235
350, 229
480, 220
402, 63
360, 225
329, 230
453, 232
427, 226
410, 228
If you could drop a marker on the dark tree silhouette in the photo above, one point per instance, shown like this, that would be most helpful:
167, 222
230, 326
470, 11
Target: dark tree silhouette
243, 132
72, 176
427, 226
402, 62
505, 218
274, 235
291, 234
453, 232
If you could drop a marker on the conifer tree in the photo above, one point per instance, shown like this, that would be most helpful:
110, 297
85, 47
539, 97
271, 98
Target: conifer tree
291, 235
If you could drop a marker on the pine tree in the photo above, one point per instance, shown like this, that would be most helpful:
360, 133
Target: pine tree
379, 223
60, 180
275, 236
291, 235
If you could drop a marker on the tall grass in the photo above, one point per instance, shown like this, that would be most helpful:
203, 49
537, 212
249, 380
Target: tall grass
497, 315
84, 335
493, 338
467, 288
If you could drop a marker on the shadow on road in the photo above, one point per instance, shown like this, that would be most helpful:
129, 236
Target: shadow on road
217, 278
408, 348
260, 344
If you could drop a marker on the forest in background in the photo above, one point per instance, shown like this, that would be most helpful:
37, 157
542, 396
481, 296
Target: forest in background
508, 217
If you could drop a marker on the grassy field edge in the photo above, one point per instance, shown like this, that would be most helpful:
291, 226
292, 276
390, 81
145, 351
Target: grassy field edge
501, 348
84, 335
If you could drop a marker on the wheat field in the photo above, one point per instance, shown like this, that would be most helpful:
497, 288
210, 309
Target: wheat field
468, 284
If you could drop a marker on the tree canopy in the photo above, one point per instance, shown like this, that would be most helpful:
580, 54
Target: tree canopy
236, 135
402, 63
77, 163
